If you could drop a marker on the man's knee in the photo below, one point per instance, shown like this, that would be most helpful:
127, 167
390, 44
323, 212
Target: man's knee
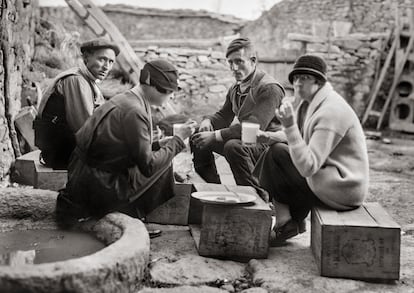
233, 149
279, 152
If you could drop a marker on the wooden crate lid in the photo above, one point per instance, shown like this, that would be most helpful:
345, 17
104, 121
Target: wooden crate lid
368, 215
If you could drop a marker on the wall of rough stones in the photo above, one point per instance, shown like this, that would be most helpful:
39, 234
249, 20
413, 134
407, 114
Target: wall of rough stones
204, 78
17, 22
352, 63
318, 17
145, 24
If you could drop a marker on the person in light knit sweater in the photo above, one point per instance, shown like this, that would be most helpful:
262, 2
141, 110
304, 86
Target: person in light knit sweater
325, 159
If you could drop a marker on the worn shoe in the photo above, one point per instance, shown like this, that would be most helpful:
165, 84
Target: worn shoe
154, 233
287, 231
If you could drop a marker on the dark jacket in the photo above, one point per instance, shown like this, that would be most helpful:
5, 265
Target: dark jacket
115, 161
259, 106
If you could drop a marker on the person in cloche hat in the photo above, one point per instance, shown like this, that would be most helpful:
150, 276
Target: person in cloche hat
70, 100
325, 158
116, 165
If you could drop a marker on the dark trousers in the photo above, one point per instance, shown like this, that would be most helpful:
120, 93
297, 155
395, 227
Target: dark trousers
91, 192
280, 178
241, 159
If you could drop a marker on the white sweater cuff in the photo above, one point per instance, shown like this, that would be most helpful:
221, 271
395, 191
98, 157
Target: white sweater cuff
293, 135
218, 136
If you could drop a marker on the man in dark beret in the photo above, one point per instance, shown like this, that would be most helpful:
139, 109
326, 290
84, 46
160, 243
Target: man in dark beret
116, 165
70, 100
252, 98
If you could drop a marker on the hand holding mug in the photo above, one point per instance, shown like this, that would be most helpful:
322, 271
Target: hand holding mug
205, 125
185, 130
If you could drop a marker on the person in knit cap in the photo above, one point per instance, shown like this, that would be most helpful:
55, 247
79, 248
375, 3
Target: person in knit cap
325, 160
70, 100
116, 165
253, 97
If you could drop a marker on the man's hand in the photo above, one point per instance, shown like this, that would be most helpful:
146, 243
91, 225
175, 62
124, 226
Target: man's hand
286, 114
163, 141
203, 139
186, 130
205, 125
271, 137
262, 136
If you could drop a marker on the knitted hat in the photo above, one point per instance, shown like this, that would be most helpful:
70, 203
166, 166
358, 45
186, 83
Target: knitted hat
238, 44
99, 43
160, 73
309, 64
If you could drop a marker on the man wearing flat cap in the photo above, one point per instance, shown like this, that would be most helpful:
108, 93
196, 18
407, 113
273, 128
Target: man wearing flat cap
116, 165
252, 98
70, 100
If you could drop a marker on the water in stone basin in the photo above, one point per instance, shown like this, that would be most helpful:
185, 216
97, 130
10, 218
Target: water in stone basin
43, 246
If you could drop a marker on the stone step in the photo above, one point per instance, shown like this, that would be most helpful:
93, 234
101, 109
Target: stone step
29, 171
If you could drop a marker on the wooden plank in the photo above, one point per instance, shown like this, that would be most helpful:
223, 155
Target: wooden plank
195, 231
399, 69
47, 178
175, 210
356, 250
327, 216
196, 207
24, 123
316, 237
209, 187
357, 217
380, 215
233, 232
373, 96
238, 232
24, 168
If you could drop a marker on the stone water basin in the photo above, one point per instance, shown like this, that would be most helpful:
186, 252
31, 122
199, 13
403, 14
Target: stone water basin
108, 255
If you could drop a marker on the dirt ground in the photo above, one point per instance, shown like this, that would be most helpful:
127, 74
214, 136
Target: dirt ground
177, 267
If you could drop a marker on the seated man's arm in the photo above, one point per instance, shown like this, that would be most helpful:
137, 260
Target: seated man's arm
223, 117
268, 99
78, 100
138, 141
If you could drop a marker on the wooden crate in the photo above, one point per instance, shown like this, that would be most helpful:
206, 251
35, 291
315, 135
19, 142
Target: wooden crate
48, 178
175, 210
360, 244
24, 168
24, 123
238, 232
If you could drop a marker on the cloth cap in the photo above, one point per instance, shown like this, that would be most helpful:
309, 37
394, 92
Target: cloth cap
238, 44
99, 43
160, 73
309, 64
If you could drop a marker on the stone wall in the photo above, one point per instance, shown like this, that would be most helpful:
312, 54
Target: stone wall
204, 78
320, 18
351, 60
17, 22
146, 24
